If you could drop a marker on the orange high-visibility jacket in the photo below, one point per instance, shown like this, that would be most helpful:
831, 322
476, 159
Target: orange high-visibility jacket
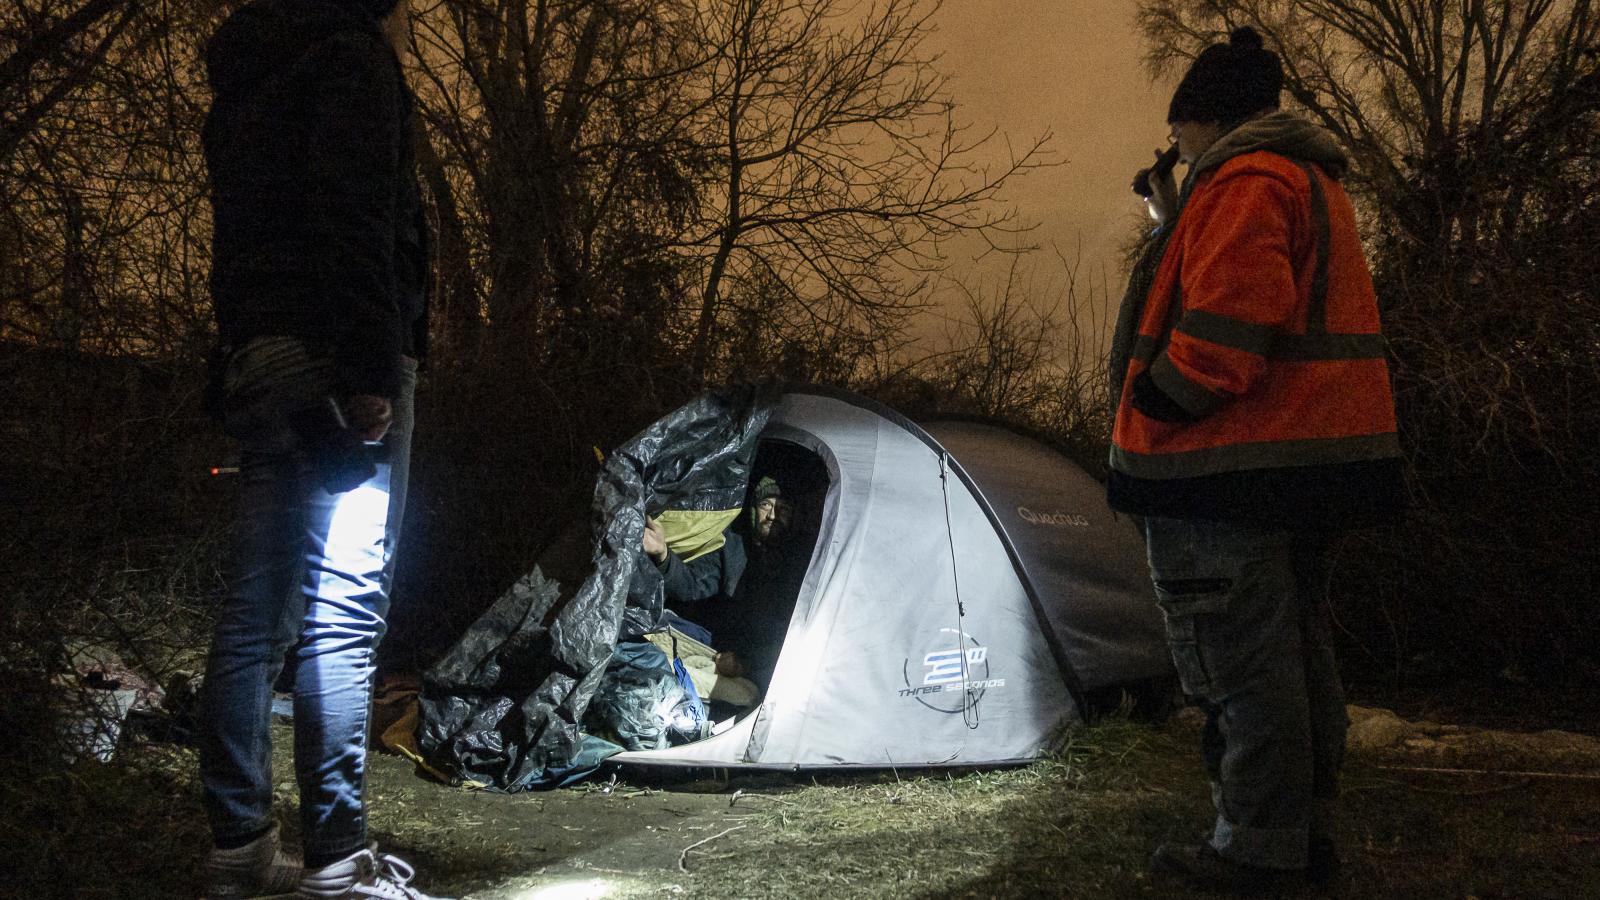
1261, 333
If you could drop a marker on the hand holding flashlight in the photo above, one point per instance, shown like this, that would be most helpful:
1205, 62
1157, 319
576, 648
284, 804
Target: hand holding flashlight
1157, 185
369, 416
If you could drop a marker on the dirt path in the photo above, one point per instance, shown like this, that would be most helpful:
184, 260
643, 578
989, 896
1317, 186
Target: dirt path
605, 839
1080, 824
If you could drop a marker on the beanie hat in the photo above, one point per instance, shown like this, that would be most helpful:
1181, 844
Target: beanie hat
1228, 82
766, 487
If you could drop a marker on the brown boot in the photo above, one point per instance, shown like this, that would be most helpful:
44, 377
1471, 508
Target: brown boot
258, 869
1201, 866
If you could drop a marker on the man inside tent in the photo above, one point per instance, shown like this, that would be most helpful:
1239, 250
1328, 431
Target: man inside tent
724, 565
702, 555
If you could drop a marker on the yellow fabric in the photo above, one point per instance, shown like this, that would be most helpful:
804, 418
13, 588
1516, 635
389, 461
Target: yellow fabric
692, 534
677, 645
701, 663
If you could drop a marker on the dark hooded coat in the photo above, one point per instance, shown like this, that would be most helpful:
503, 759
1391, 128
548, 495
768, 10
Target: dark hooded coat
318, 220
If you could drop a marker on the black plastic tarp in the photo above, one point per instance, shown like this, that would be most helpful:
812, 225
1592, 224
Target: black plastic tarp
504, 707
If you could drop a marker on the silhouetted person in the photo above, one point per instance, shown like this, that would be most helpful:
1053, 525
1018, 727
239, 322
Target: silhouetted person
319, 281
1254, 419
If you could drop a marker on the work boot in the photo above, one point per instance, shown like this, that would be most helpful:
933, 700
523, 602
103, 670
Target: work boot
363, 874
258, 869
1201, 866
1322, 865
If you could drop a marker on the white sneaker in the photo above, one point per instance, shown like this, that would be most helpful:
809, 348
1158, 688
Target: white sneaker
362, 874
256, 870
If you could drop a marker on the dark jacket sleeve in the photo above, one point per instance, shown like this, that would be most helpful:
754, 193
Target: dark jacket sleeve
710, 577
1149, 399
353, 171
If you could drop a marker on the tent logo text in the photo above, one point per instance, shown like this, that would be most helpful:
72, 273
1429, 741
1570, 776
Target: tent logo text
952, 678
1059, 519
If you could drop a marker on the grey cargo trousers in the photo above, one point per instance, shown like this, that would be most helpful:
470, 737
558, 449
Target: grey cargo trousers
1247, 626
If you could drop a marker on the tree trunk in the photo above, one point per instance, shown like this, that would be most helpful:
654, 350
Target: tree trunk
458, 321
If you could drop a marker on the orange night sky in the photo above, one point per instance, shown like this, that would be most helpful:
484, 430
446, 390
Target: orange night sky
1075, 69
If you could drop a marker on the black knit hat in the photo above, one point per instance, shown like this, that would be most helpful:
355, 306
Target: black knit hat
374, 8
766, 487
1228, 81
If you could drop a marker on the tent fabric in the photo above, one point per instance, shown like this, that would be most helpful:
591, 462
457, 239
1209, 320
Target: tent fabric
965, 586
504, 706
913, 642
1072, 546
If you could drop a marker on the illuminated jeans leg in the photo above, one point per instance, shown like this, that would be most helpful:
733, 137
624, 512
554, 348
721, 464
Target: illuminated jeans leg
298, 547
1242, 609
349, 544
262, 570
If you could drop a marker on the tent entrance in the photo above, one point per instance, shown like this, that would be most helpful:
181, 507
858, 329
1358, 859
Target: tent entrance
753, 623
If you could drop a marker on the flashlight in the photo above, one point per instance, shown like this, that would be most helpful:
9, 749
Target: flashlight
1165, 160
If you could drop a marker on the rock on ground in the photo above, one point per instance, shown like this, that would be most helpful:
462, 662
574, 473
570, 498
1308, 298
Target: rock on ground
1376, 730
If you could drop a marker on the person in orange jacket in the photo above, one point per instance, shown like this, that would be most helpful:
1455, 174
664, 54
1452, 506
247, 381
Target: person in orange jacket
1253, 421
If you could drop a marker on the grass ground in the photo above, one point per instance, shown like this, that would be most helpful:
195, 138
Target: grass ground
1078, 825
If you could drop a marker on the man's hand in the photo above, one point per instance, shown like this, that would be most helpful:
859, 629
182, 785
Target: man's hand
1162, 200
369, 416
729, 665
654, 540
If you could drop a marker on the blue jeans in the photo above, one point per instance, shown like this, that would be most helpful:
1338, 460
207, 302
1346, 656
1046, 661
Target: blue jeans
311, 570
1247, 626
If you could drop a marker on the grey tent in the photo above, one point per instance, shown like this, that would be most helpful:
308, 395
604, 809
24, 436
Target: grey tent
966, 588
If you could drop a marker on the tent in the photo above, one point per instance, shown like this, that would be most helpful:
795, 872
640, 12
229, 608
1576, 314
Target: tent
966, 588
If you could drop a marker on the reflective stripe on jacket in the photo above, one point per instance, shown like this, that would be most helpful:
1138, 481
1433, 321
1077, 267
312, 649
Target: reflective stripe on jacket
1262, 326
